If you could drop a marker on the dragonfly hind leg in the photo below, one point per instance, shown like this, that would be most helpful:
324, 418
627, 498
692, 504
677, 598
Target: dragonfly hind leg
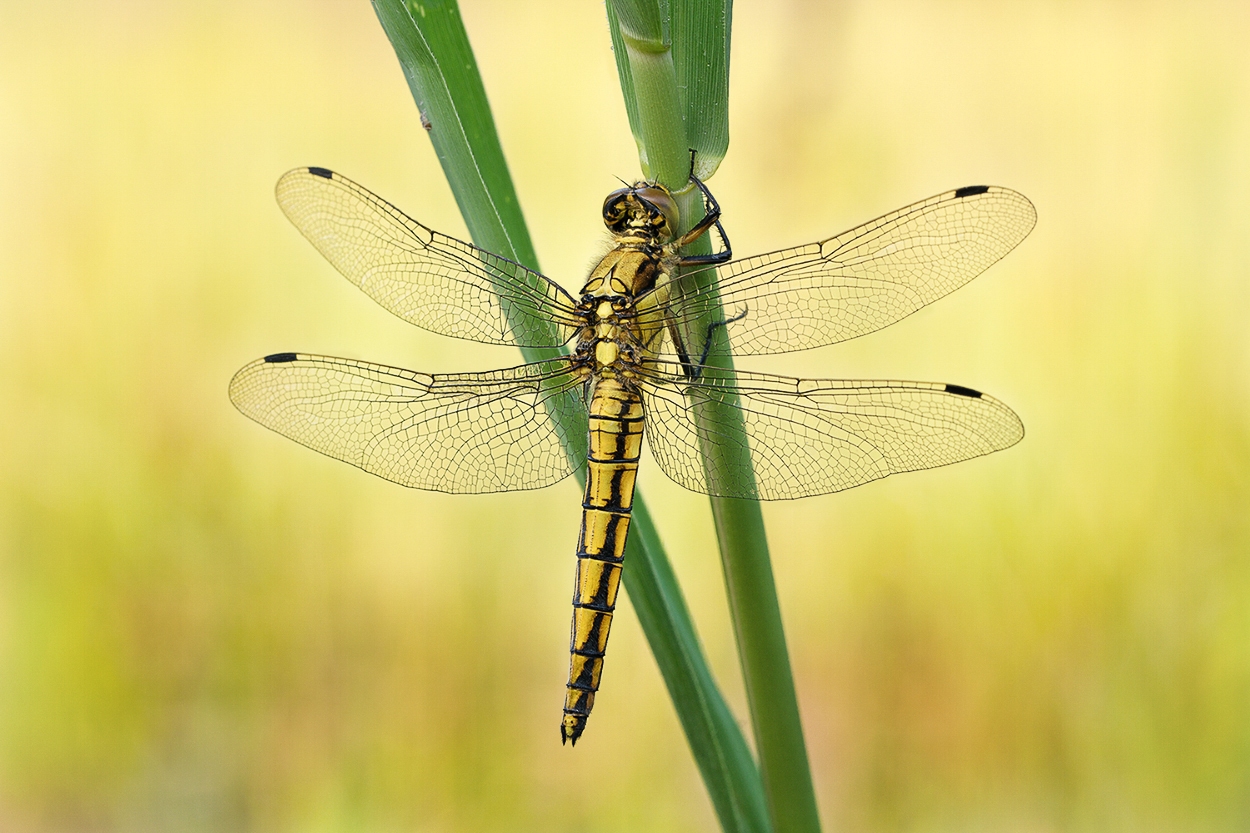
693, 370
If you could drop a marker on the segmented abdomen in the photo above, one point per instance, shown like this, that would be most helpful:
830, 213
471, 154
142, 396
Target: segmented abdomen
615, 441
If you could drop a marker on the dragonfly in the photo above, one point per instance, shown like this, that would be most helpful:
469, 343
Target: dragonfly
634, 367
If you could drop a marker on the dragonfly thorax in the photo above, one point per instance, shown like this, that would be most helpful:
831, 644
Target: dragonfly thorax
628, 270
607, 343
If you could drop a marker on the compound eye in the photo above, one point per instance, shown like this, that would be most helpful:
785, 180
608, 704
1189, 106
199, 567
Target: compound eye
658, 198
614, 210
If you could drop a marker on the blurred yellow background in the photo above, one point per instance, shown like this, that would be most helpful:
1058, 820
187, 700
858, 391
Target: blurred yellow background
205, 627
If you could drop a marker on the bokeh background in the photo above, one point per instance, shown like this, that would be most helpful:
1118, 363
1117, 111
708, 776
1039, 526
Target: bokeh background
205, 627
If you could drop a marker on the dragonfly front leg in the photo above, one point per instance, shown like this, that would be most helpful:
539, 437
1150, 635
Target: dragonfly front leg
711, 217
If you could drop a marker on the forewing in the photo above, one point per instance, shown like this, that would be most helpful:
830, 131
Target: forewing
861, 280
461, 433
426, 278
813, 436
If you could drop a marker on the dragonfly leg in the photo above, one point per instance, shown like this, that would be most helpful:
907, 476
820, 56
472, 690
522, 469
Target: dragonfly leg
711, 218
695, 371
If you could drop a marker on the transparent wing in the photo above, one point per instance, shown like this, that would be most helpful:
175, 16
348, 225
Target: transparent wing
861, 280
426, 278
461, 433
813, 436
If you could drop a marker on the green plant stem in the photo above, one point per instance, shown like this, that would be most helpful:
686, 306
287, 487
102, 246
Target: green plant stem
724, 760
765, 665
664, 154
749, 581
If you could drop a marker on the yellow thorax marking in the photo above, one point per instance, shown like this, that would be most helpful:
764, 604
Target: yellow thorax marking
606, 353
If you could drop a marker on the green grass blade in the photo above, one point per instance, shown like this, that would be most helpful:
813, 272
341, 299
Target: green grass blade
765, 665
725, 762
433, 50
755, 610
644, 60
701, 54
434, 53
682, 54
437, 61
752, 594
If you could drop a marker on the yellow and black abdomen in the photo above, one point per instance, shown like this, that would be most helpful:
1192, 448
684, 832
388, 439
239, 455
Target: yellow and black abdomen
615, 442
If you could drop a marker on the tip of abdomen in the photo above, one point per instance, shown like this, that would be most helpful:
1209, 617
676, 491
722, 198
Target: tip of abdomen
570, 734
577, 706
572, 727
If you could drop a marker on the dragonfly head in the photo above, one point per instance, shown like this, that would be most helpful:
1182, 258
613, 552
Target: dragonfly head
644, 207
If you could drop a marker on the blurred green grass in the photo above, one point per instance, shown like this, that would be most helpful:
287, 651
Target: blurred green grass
203, 627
